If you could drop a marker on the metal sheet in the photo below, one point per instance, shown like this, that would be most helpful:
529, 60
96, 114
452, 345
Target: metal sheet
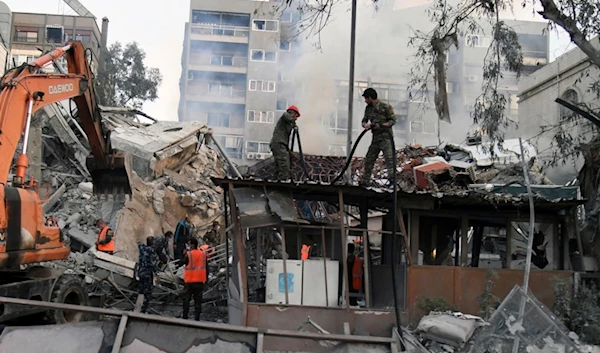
254, 211
284, 207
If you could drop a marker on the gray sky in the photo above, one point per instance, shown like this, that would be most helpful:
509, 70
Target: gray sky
158, 26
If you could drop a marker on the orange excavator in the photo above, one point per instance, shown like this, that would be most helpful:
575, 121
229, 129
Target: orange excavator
26, 236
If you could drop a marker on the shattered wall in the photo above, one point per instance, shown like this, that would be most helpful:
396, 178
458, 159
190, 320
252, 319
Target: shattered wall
157, 206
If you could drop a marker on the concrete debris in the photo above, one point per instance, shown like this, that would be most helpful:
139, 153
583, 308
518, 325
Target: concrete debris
447, 169
453, 329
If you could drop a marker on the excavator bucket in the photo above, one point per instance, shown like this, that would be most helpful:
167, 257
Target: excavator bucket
112, 180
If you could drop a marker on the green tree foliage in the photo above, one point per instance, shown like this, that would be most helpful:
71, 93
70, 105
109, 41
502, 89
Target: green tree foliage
125, 81
580, 311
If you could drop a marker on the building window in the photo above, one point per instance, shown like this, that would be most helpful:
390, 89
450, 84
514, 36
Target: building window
257, 147
284, 45
220, 19
281, 104
416, 127
572, 97
281, 76
220, 89
449, 87
478, 41
54, 34
84, 37
255, 116
286, 17
263, 55
221, 60
420, 127
218, 120
265, 25
26, 34
261, 86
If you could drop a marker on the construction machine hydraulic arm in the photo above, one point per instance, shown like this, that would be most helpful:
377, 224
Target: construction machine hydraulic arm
25, 90
25, 235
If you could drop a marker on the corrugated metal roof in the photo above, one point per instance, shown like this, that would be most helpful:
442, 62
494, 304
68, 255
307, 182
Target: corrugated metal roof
499, 194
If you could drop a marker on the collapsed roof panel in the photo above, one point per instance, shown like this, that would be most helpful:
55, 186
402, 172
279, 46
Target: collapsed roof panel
163, 145
253, 208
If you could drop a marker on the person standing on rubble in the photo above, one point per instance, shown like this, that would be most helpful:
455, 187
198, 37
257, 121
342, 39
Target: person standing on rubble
146, 270
195, 275
161, 246
106, 238
280, 142
212, 236
379, 118
181, 238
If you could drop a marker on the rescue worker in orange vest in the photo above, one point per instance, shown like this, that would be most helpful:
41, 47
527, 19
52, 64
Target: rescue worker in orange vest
305, 252
195, 274
355, 277
106, 238
208, 251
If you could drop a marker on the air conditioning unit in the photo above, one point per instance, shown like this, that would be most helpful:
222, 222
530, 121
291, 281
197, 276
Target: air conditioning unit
260, 156
472, 78
250, 155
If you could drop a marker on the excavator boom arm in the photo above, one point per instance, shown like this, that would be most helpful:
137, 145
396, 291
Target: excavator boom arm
24, 91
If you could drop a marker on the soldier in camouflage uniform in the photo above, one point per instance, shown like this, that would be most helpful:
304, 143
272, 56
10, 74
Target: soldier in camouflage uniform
212, 236
379, 116
146, 269
280, 141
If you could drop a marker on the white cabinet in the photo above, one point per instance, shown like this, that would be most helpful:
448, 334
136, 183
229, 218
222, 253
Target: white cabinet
275, 291
306, 282
313, 287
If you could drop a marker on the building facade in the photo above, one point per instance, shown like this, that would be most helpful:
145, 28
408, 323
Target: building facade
569, 77
232, 77
417, 120
32, 32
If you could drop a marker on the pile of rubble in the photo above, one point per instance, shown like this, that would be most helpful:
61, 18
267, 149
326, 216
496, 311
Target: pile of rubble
170, 179
520, 324
450, 168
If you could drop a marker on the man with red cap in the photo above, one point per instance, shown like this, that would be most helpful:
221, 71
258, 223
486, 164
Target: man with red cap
281, 139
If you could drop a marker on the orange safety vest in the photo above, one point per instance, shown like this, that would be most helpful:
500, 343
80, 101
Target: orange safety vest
206, 247
305, 252
357, 273
110, 246
195, 270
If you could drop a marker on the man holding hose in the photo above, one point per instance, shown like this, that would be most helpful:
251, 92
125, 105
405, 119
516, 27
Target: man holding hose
281, 139
379, 118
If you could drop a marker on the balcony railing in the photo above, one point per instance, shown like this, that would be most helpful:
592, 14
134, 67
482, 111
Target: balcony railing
219, 30
218, 93
218, 60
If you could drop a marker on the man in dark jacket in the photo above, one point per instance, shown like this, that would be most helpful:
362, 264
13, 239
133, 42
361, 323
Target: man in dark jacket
281, 139
161, 246
182, 237
146, 269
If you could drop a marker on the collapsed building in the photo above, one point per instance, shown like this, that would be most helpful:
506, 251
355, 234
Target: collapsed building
171, 169
461, 213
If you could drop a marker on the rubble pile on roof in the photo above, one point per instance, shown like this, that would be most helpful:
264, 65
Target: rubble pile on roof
451, 170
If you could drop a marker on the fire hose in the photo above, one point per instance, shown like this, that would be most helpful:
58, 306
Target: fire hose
296, 135
393, 172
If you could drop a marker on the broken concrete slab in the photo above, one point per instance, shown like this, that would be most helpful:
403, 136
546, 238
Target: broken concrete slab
163, 145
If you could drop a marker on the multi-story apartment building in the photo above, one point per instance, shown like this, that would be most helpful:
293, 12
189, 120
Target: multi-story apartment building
32, 34
233, 77
417, 120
